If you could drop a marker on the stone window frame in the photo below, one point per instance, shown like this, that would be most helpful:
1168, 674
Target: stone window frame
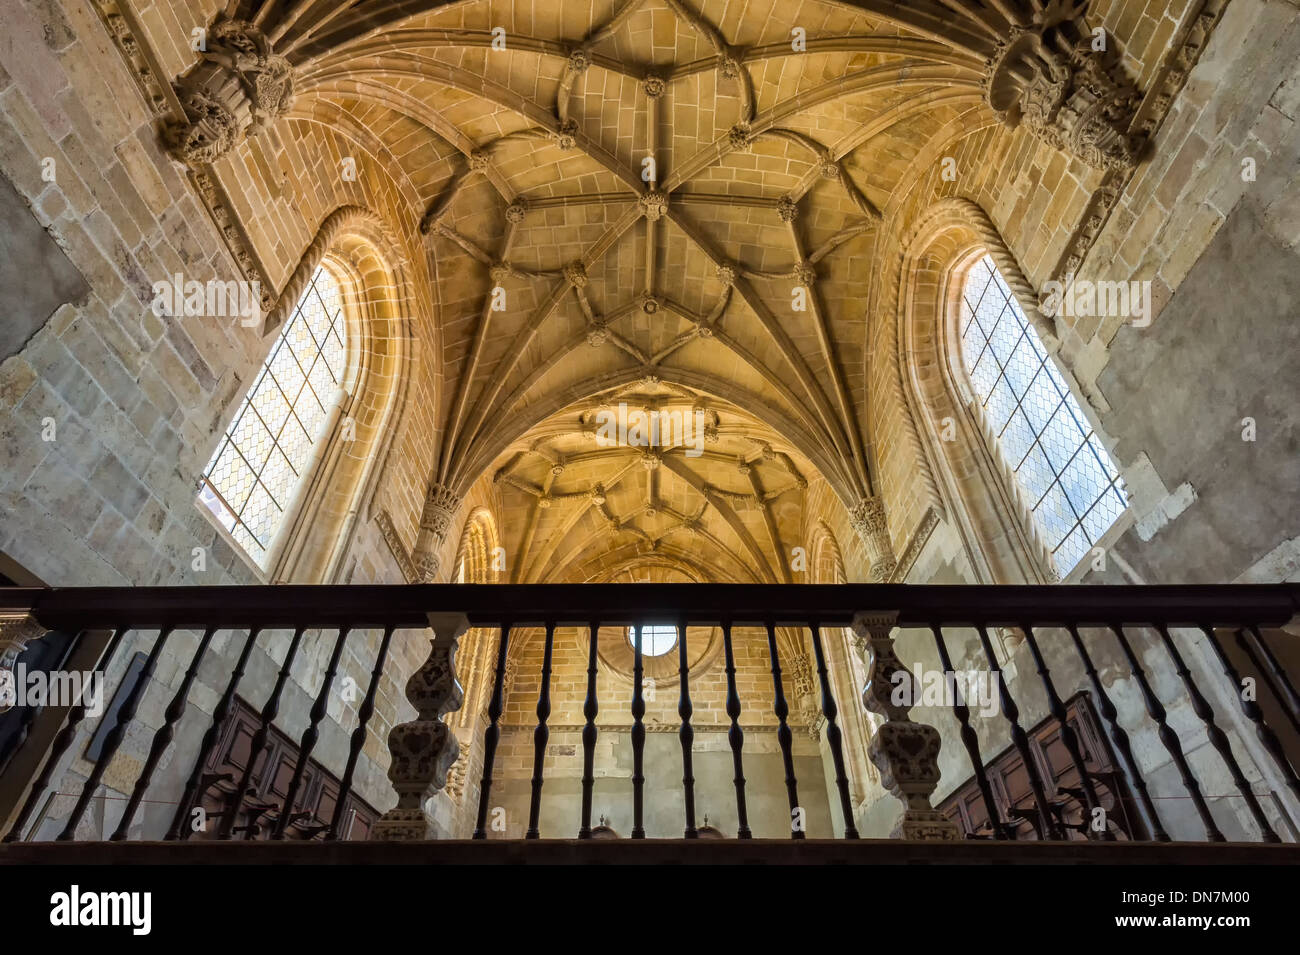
322, 517
329, 403
977, 493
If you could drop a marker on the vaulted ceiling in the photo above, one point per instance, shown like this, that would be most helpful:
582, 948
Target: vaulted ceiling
674, 199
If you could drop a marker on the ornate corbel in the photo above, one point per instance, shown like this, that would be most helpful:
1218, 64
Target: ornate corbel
1048, 76
906, 753
239, 87
17, 629
425, 749
440, 506
868, 518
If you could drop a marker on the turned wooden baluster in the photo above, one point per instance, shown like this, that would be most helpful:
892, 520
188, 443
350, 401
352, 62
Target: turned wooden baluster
638, 740
115, 736
178, 829
906, 753
1056, 706
424, 749
1168, 737
1219, 739
1277, 678
590, 708
358, 740
270, 709
735, 735
162, 739
1131, 769
833, 734
783, 735
686, 734
309, 737
67, 734
541, 735
1050, 828
492, 735
970, 739
1253, 713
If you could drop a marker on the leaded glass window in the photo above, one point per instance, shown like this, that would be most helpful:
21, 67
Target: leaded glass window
1068, 477
265, 452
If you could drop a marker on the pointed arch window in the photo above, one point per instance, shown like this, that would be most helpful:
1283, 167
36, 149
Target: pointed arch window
263, 457
1072, 486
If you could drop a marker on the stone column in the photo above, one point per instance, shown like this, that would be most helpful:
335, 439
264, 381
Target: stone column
424, 749
906, 753
239, 87
868, 519
440, 506
17, 629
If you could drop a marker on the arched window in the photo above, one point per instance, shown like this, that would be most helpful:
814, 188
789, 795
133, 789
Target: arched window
268, 449
1069, 481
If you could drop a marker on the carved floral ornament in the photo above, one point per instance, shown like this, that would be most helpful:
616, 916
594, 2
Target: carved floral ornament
239, 87
1065, 92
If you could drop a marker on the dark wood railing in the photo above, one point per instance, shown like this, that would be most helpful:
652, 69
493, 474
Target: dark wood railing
1145, 628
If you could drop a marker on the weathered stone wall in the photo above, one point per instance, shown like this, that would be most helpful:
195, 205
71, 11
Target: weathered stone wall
132, 404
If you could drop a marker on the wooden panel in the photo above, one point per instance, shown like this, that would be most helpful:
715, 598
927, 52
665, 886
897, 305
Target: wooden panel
1009, 781
317, 795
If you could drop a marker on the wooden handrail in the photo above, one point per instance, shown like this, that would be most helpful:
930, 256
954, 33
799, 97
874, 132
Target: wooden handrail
373, 605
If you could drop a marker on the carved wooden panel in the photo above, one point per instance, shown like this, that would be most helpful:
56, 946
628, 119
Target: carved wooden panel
1010, 783
317, 796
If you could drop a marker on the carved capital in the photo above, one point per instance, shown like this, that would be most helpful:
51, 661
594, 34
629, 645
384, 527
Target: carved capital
440, 506
17, 629
239, 87
424, 750
1047, 76
868, 519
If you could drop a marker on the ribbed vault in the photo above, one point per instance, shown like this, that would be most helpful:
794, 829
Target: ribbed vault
685, 193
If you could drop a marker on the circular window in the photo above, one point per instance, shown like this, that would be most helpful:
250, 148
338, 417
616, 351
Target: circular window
655, 640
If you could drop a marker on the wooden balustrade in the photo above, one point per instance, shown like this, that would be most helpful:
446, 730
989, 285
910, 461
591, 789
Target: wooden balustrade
1065, 630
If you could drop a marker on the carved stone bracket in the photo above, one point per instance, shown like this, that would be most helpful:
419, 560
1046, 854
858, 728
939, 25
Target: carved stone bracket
1048, 76
425, 749
868, 519
17, 629
239, 87
906, 753
440, 506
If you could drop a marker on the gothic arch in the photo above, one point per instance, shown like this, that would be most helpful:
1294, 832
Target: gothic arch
359, 250
963, 475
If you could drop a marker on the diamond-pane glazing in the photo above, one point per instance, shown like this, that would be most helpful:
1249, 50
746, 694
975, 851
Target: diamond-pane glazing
1068, 476
264, 453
